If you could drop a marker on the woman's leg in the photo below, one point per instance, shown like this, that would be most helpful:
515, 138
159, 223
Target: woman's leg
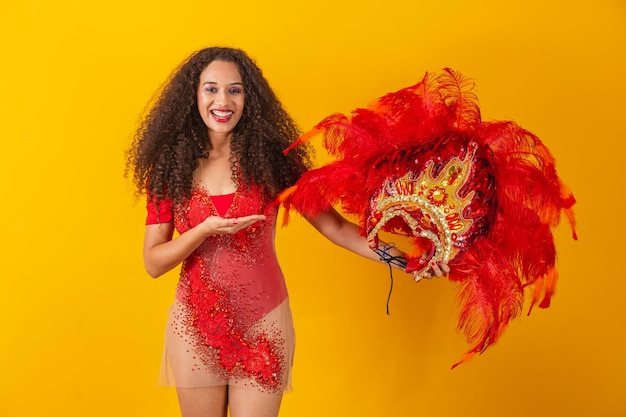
203, 402
246, 402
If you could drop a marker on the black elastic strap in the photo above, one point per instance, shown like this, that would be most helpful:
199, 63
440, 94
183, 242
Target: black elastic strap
383, 251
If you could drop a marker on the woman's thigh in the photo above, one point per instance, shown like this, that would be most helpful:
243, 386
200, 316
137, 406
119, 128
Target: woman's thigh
203, 402
246, 402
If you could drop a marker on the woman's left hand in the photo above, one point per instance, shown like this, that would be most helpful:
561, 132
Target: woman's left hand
435, 269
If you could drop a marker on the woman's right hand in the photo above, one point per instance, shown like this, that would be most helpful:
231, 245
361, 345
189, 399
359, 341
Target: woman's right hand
215, 225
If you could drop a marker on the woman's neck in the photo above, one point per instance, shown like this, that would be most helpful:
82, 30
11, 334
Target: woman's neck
219, 143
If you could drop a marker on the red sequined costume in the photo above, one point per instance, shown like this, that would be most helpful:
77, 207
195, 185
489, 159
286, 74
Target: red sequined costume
231, 322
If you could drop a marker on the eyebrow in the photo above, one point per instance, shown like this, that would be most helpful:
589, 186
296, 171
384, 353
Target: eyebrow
214, 82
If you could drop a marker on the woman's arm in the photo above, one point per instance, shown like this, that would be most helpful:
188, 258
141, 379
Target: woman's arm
346, 234
161, 253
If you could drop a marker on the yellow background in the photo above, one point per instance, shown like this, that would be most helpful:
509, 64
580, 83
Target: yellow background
82, 323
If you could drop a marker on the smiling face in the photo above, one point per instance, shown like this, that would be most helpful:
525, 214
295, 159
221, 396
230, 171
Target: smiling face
220, 98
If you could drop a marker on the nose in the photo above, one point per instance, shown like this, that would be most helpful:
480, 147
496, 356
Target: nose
220, 97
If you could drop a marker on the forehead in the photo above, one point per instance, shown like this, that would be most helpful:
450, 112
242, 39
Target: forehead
221, 72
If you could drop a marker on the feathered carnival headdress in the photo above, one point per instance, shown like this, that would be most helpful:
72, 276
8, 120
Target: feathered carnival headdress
482, 196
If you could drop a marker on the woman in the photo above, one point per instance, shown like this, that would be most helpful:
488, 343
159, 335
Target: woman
209, 156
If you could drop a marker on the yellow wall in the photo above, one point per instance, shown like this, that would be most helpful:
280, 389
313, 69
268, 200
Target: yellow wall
82, 323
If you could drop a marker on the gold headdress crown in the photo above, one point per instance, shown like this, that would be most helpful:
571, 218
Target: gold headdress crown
430, 203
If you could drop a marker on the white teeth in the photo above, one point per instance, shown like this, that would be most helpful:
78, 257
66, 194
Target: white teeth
220, 113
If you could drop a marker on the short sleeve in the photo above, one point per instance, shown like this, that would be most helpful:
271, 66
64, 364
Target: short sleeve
159, 213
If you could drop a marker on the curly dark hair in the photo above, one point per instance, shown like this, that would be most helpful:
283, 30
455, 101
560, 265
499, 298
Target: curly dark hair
172, 137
